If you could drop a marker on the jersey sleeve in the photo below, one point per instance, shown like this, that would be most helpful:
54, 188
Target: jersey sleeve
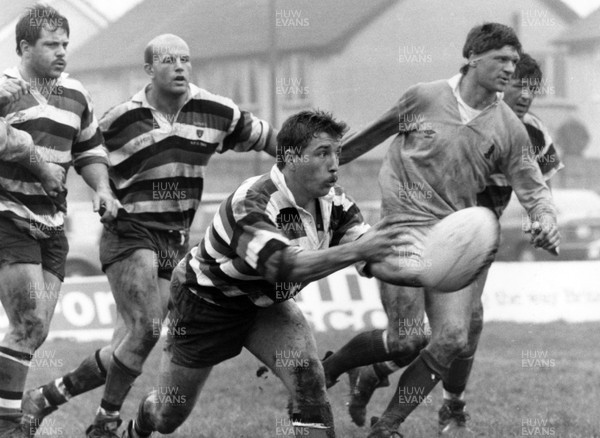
88, 147
525, 177
347, 221
257, 241
247, 132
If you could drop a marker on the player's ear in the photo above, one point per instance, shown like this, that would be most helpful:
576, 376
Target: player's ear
24, 46
149, 69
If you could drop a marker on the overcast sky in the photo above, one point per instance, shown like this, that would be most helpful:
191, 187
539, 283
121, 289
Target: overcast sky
114, 8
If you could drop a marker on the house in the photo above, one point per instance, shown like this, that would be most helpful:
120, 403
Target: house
580, 44
85, 20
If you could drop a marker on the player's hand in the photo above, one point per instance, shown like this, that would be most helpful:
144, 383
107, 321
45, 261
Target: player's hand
545, 235
52, 177
380, 241
106, 205
11, 90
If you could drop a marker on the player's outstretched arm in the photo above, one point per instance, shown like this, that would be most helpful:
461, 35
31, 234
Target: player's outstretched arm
358, 143
310, 265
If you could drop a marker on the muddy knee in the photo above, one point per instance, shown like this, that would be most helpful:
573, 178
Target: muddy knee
451, 342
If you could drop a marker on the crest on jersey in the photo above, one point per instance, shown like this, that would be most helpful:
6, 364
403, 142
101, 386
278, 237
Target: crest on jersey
199, 132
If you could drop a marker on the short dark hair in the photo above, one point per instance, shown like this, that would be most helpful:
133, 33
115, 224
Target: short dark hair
489, 36
299, 129
34, 19
528, 68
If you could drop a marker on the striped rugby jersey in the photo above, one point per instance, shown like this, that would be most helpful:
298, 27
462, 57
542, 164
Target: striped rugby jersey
157, 167
64, 131
251, 225
497, 194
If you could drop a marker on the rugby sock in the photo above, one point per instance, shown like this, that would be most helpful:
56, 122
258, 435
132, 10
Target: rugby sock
118, 383
14, 366
364, 349
414, 385
90, 374
458, 375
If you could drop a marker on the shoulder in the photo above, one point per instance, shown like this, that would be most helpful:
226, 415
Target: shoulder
200, 94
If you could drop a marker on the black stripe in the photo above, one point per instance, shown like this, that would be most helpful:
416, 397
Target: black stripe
162, 189
72, 94
10, 395
172, 149
267, 251
86, 145
43, 125
208, 107
16, 354
127, 121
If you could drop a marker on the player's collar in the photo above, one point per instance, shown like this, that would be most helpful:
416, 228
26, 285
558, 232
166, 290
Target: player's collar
279, 181
141, 99
13, 72
454, 83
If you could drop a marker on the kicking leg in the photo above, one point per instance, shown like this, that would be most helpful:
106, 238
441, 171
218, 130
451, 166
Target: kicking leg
282, 339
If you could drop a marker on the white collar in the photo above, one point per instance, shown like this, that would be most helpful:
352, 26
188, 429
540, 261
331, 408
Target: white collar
454, 83
13, 72
141, 99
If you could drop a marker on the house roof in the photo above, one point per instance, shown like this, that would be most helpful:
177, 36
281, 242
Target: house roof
582, 31
217, 28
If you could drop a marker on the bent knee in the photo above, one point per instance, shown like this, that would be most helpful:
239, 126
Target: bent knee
409, 341
31, 331
450, 343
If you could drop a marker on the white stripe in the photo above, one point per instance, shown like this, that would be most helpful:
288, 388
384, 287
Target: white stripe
10, 404
165, 171
162, 206
14, 359
20, 210
88, 132
230, 270
52, 155
30, 188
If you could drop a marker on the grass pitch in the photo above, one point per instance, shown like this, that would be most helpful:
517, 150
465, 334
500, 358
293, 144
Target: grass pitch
528, 380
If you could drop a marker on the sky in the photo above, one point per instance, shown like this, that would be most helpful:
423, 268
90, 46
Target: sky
583, 7
115, 8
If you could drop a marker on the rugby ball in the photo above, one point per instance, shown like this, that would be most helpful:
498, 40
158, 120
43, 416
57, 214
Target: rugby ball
459, 247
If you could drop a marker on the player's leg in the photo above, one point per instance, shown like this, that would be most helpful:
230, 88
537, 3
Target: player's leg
200, 336
405, 336
40, 402
377, 346
28, 296
452, 417
449, 316
32, 272
134, 282
168, 405
282, 339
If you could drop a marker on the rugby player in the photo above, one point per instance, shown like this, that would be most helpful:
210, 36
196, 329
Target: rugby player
276, 233
464, 135
56, 112
518, 95
159, 143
